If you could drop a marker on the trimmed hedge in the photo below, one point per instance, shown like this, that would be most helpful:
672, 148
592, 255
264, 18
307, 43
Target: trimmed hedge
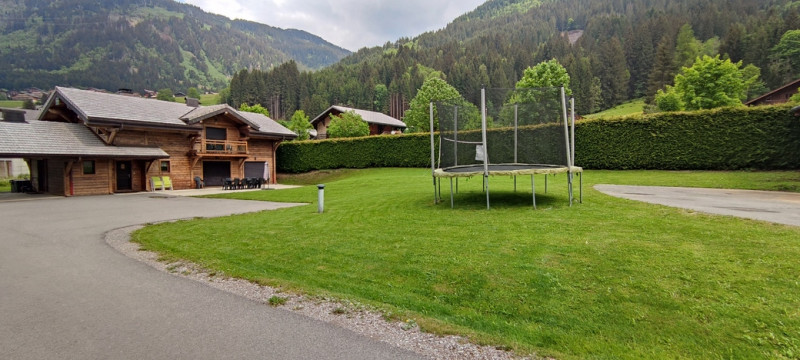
407, 150
766, 137
719, 139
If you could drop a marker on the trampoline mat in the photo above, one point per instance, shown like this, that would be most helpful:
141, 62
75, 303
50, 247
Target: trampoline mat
505, 169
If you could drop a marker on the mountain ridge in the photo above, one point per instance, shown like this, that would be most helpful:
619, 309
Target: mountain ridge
147, 44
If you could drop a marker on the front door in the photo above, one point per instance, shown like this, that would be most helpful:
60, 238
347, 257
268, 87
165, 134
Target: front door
124, 176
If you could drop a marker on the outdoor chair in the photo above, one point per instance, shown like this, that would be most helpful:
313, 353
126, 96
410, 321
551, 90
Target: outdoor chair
252, 183
237, 184
198, 182
227, 184
156, 183
167, 182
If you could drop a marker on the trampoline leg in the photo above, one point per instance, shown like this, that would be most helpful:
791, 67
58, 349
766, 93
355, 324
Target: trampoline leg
486, 181
435, 193
515, 183
569, 187
451, 193
533, 191
545, 183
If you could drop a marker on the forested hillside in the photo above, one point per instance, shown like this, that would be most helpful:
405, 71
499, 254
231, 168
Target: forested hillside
150, 44
628, 49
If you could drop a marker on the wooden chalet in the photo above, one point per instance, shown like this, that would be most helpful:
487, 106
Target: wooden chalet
778, 96
379, 123
87, 143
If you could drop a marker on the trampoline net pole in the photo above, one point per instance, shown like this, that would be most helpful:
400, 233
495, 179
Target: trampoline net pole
455, 135
485, 147
566, 139
516, 133
433, 157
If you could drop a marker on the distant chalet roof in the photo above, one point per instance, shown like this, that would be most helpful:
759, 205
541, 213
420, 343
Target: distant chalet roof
773, 92
54, 139
96, 108
371, 117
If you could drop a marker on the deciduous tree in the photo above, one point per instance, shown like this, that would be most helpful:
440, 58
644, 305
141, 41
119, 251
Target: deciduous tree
347, 124
300, 125
709, 83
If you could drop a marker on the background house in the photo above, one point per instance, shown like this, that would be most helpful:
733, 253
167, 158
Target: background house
379, 123
777, 96
87, 142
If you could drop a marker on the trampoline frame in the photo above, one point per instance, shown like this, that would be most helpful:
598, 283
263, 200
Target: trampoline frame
513, 169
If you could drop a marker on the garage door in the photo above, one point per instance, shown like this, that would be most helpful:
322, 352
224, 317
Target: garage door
215, 171
254, 169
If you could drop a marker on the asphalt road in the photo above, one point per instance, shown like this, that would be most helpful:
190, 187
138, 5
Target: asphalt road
773, 206
66, 294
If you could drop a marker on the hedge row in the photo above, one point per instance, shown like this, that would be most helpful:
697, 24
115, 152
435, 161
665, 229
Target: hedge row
721, 139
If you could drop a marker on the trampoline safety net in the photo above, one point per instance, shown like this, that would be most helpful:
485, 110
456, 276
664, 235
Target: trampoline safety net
523, 126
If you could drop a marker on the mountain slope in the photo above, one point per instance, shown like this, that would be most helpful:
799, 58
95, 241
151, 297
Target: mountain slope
623, 45
144, 44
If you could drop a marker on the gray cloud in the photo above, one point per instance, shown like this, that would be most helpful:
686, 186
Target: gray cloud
351, 24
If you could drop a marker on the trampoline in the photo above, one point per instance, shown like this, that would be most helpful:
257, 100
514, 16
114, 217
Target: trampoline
529, 134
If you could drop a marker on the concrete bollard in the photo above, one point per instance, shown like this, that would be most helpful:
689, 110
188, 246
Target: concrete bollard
321, 198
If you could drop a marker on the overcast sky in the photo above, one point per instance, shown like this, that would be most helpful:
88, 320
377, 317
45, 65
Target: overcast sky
351, 24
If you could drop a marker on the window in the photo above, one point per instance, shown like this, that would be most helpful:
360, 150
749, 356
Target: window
213, 133
165, 166
88, 167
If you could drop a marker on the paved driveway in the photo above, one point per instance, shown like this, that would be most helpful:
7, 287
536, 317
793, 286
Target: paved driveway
66, 294
773, 206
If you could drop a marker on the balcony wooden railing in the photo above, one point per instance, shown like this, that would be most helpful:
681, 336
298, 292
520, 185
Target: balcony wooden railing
222, 147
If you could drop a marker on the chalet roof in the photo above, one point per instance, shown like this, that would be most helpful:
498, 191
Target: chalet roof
266, 125
29, 114
94, 107
371, 117
761, 98
47, 138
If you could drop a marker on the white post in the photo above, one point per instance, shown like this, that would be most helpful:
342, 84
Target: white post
321, 198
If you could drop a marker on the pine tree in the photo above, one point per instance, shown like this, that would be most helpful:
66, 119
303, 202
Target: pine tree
663, 72
610, 67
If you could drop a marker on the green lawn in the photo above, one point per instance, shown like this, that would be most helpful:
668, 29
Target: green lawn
607, 279
205, 99
628, 108
11, 104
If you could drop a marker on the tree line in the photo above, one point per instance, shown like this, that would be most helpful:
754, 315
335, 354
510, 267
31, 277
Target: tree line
628, 49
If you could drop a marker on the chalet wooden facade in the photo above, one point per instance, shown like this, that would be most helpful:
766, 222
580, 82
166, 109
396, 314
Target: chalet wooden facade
88, 143
778, 96
379, 123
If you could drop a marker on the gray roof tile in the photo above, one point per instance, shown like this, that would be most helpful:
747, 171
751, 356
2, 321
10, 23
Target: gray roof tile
45, 138
371, 117
92, 105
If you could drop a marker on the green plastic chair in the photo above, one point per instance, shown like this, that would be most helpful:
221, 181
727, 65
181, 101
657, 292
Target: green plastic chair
167, 182
156, 183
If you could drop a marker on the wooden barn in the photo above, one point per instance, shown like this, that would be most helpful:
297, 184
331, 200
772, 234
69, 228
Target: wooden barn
88, 143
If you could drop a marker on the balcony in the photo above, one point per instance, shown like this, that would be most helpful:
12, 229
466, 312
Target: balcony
221, 147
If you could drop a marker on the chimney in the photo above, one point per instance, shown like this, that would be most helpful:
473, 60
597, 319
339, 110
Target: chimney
192, 102
17, 116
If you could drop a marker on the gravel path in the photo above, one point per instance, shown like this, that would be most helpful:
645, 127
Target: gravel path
403, 334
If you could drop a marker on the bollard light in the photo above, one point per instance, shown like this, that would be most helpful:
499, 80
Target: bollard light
321, 198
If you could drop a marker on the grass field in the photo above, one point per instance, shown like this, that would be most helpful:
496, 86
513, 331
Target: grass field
628, 108
11, 104
606, 279
205, 99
